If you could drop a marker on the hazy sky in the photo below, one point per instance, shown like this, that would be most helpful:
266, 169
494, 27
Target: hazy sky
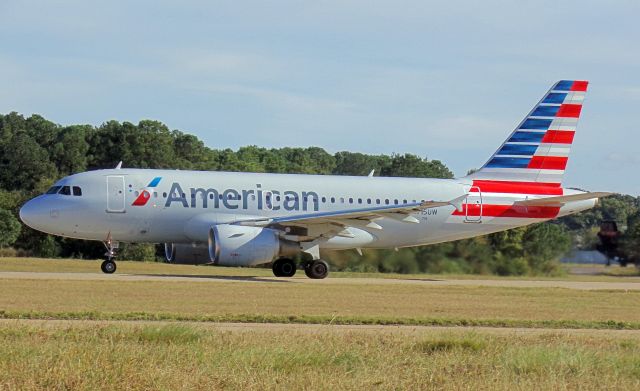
448, 80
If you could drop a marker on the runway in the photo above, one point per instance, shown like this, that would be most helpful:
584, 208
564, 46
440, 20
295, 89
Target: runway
320, 328
625, 284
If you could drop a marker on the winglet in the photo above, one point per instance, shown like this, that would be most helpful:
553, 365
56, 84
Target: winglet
119, 166
457, 202
371, 173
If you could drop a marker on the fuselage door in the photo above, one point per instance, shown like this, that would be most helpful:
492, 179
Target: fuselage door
473, 209
115, 194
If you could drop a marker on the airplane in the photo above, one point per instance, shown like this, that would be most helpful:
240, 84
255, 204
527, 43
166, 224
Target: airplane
248, 219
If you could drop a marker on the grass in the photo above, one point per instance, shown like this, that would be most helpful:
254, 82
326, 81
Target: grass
175, 352
174, 356
323, 320
283, 301
601, 273
404, 302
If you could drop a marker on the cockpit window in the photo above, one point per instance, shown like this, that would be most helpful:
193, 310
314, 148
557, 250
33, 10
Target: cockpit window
66, 190
53, 190
77, 191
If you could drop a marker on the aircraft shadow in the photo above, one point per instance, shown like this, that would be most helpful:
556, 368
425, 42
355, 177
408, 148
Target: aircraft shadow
421, 279
214, 277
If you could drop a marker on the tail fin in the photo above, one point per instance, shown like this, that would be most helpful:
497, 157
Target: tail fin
538, 149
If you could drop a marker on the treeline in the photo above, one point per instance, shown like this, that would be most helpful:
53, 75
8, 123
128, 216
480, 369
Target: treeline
35, 152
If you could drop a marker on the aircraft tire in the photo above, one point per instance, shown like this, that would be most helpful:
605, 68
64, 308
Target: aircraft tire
108, 266
317, 269
284, 267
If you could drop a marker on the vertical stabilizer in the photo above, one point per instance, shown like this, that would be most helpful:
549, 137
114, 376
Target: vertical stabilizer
538, 149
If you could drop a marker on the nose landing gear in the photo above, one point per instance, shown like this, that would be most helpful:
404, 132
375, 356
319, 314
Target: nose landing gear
108, 266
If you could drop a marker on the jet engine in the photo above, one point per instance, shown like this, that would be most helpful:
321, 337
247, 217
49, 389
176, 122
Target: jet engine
186, 254
235, 245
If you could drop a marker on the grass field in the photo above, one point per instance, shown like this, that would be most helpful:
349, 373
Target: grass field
269, 300
133, 346
175, 356
602, 273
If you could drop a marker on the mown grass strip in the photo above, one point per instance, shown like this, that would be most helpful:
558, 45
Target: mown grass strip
319, 319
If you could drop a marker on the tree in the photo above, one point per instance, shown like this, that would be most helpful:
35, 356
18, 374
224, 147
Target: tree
350, 163
24, 163
409, 165
543, 244
9, 228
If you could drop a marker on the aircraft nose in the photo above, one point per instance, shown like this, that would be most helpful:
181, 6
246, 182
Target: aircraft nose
33, 213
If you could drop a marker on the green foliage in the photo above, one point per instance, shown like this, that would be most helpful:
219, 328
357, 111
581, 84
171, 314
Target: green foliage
543, 244
9, 228
137, 252
631, 240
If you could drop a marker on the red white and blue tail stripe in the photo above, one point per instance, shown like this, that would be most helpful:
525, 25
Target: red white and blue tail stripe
538, 149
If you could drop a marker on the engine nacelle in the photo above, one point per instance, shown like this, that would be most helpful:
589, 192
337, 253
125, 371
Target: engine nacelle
236, 245
186, 254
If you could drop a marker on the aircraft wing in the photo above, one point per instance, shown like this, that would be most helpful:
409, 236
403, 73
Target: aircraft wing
561, 200
362, 217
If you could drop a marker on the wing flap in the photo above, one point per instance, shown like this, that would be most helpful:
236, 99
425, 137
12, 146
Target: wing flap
357, 217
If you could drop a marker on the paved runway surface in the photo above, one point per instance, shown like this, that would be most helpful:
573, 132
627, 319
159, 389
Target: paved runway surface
625, 283
320, 328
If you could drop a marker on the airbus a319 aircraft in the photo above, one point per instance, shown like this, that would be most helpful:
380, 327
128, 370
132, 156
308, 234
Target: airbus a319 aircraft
246, 219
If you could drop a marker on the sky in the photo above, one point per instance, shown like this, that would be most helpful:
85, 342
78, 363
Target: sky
446, 80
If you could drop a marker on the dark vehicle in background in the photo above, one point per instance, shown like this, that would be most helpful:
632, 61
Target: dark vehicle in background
610, 243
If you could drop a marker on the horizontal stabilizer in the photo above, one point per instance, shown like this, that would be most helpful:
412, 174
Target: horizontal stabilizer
561, 200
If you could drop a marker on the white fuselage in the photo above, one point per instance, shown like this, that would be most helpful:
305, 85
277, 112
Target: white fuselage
181, 206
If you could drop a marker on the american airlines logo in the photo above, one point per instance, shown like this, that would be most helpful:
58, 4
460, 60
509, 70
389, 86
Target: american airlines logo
145, 194
257, 198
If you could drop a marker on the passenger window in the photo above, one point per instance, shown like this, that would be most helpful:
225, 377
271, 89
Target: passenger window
378, 201
324, 199
77, 191
386, 201
65, 190
368, 200
53, 190
333, 200
359, 200
351, 200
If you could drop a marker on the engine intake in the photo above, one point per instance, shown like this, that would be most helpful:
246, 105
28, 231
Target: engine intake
236, 245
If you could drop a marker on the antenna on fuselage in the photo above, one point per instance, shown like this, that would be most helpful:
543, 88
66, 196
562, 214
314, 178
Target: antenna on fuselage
119, 166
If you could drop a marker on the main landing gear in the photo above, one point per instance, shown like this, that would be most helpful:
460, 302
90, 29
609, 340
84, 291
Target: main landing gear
285, 267
109, 265
317, 269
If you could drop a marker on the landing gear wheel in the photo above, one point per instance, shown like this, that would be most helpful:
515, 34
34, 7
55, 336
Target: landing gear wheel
108, 266
284, 267
317, 269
